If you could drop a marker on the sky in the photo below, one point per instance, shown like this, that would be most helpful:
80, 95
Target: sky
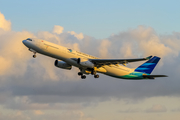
97, 18
34, 89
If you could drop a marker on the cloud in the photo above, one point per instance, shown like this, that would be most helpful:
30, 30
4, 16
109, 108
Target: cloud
68, 115
130, 110
13, 57
176, 110
4, 24
78, 36
103, 48
140, 41
157, 108
126, 50
38, 112
15, 115
58, 29
7, 64
48, 36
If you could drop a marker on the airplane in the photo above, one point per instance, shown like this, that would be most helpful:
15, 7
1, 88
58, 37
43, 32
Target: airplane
88, 64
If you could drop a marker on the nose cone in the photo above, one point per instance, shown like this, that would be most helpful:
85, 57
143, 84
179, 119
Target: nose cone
24, 42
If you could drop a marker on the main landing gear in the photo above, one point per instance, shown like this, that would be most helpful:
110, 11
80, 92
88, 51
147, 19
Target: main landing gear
96, 76
94, 73
84, 77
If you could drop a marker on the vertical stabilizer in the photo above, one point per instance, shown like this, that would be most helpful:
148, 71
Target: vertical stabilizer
148, 66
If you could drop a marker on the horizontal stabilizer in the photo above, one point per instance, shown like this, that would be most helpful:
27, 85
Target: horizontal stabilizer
153, 76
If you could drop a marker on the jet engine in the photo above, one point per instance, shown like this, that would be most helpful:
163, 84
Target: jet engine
85, 63
62, 64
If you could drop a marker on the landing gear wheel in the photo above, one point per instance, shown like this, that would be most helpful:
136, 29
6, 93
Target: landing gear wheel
96, 76
83, 77
34, 56
80, 73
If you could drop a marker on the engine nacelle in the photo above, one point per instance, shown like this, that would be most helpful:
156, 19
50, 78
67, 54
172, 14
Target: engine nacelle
87, 64
62, 64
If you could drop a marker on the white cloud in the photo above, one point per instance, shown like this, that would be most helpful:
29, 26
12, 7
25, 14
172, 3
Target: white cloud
103, 48
6, 66
13, 57
126, 50
142, 40
4, 24
58, 29
48, 36
79, 36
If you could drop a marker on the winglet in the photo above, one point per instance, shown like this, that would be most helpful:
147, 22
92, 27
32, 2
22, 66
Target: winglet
149, 57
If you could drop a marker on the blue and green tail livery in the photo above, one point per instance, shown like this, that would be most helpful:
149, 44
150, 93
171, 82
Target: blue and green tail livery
148, 66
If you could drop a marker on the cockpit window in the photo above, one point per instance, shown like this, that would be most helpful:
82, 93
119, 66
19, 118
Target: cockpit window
29, 39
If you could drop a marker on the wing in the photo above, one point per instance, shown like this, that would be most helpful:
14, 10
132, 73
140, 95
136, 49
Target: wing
153, 76
101, 62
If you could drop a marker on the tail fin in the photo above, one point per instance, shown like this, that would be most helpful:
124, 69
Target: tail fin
148, 66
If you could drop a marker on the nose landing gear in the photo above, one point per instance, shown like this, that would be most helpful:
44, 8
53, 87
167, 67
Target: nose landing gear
34, 56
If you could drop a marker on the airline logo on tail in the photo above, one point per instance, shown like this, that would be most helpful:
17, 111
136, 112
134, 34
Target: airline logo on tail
144, 70
148, 66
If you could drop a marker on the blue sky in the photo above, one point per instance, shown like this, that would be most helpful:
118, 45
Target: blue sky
98, 19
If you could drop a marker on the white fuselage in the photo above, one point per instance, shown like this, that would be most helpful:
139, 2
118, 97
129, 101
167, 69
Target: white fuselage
68, 55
